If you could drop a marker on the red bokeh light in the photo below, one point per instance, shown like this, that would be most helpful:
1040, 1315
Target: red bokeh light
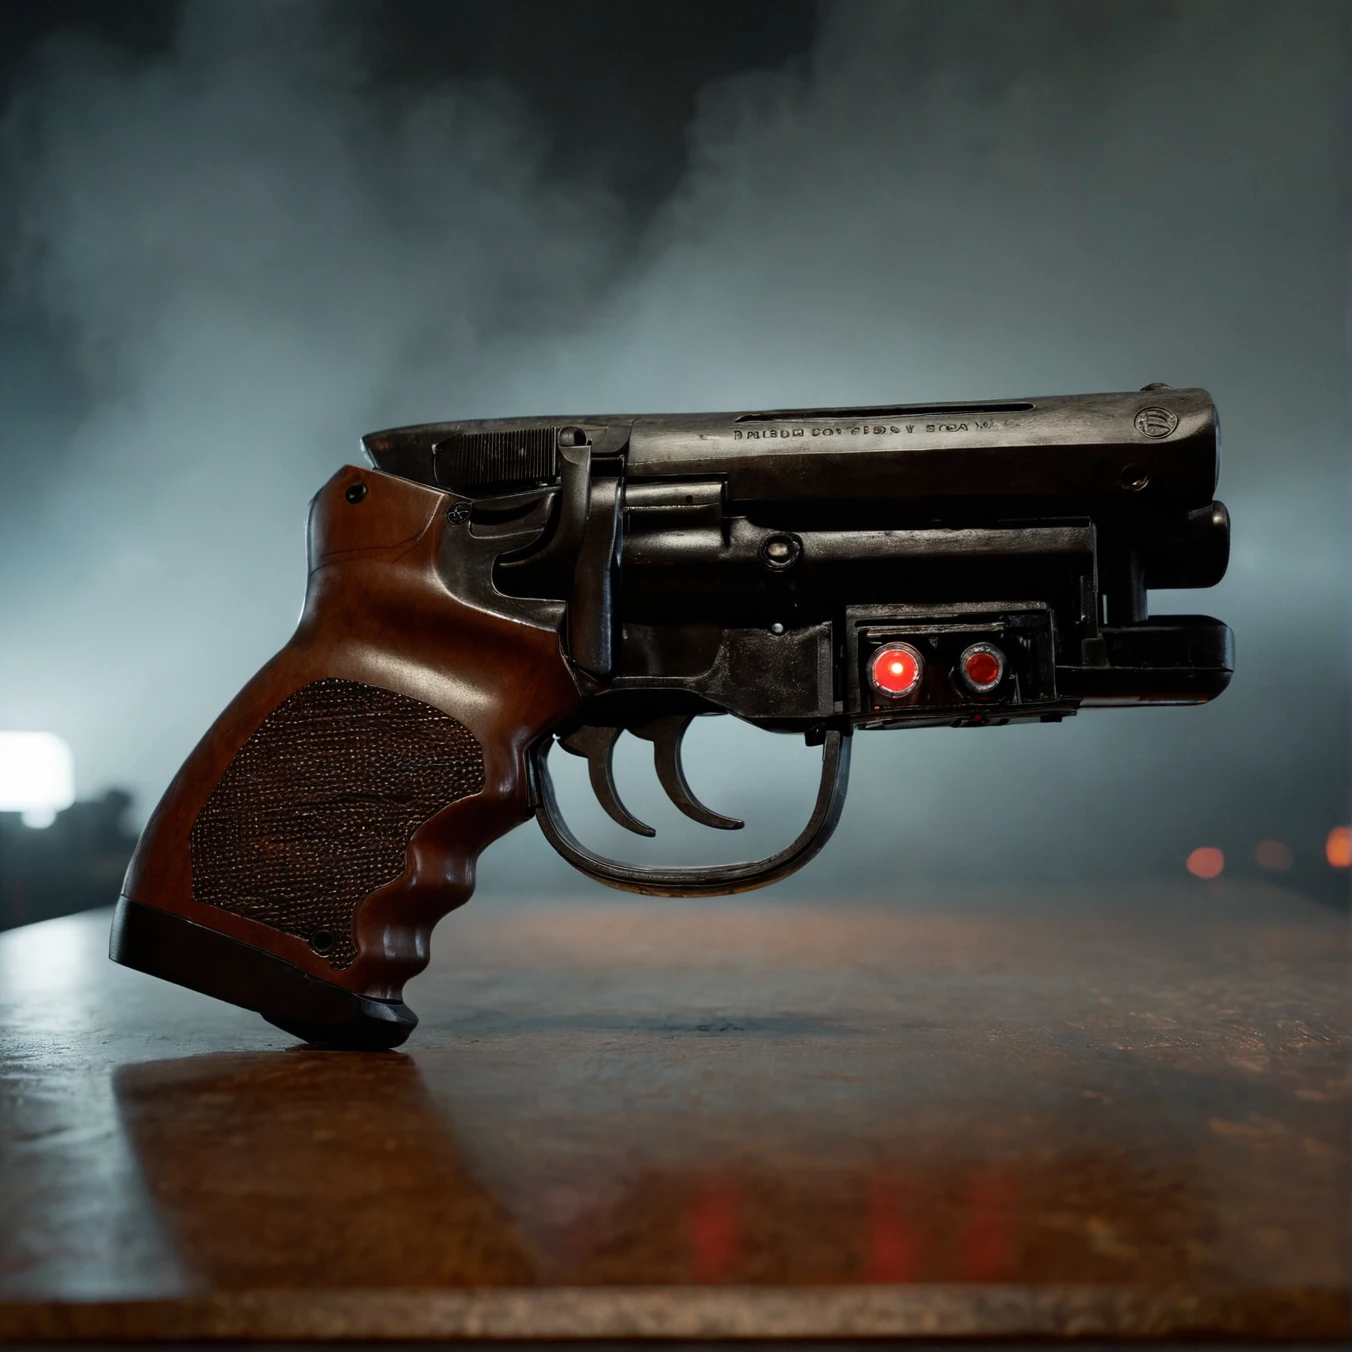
1206, 862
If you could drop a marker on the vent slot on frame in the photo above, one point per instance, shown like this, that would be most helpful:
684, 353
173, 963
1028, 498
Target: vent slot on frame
485, 462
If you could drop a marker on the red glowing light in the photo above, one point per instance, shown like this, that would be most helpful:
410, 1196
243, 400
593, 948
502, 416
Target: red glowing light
982, 666
1206, 862
895, 670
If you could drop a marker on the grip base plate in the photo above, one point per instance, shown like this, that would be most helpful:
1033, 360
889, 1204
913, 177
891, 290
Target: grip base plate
168, 946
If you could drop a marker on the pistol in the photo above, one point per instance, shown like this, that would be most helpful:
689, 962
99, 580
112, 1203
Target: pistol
487, 589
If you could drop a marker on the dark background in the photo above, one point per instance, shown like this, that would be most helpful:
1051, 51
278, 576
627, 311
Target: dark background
237, 235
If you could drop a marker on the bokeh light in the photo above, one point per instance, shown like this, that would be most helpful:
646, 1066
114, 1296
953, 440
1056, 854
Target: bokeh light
1206, 862
1338, 847
1274, 855
37, 776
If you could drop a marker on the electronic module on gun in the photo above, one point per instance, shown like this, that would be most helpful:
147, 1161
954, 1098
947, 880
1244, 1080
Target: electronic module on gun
491, 588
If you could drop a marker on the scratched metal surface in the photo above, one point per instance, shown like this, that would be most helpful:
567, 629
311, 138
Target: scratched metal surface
1121, 1115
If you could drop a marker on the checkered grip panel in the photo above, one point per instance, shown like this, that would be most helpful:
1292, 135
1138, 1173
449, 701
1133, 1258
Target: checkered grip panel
317, 808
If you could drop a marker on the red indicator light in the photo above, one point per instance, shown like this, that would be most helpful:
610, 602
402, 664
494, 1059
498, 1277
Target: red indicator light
896, 669
982, 667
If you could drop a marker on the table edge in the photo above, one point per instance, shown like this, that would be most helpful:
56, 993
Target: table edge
730, 1312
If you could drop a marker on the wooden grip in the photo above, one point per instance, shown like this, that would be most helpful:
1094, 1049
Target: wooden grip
336, 809
317, 809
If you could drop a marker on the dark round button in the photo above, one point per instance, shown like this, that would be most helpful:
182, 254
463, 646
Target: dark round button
355, 492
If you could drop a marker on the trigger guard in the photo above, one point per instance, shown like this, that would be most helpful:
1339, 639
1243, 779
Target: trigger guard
715, 879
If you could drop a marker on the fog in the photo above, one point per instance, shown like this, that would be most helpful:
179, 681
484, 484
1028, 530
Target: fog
247, 251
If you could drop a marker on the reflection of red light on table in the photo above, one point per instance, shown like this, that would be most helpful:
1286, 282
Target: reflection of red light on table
713, 1232
892, 1243
986, 1250
1206, 862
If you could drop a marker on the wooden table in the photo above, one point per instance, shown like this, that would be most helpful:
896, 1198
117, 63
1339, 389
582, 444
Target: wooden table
1111, 1115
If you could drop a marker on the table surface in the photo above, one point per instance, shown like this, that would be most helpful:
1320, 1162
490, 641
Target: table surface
1119, 1114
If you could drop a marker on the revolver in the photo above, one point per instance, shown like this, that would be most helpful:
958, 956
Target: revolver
488, 589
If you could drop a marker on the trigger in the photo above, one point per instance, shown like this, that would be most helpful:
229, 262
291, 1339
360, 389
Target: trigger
666, 735
597, 747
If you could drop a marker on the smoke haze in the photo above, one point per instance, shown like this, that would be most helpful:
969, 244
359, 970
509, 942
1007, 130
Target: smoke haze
248, 250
